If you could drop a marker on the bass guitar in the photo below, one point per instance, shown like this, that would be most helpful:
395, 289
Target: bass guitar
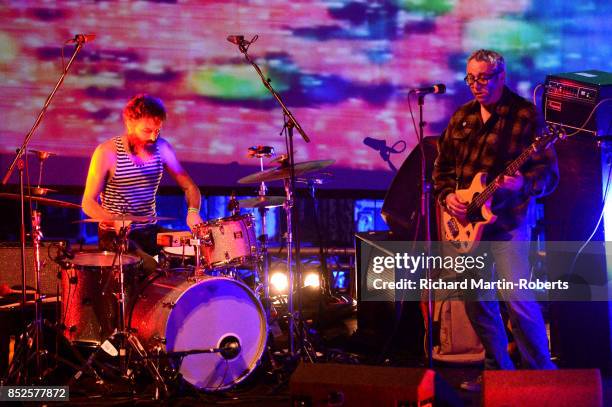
465, 234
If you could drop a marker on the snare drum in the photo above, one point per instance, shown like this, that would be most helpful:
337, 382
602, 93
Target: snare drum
177, 257
175, 314
228, 241
89, 306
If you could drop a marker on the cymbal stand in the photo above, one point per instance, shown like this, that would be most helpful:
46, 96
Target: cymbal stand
291, 123
32, 335
295, 276
18, 162
126, 337
196, 243
36, 237
324, 279
426, 189
264, 265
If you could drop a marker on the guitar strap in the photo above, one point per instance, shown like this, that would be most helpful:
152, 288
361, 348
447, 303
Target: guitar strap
502, 152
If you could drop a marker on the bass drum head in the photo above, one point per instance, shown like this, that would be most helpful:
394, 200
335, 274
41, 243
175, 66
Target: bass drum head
208, 315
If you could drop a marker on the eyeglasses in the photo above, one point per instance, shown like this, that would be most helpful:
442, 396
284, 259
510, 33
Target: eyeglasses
481, 79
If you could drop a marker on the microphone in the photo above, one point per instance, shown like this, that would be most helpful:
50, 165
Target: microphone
439, 88
81, 38
230, 347
375, 144
236, 39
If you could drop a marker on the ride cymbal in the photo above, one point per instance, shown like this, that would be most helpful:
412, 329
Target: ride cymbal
284, 172
125, 218
262, 202
41, 200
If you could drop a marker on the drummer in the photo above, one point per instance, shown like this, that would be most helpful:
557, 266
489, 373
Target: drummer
124, 175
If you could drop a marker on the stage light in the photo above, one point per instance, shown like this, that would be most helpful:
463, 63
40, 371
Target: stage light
279, 282
311, 280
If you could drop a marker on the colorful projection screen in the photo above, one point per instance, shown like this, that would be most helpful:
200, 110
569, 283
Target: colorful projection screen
342, 67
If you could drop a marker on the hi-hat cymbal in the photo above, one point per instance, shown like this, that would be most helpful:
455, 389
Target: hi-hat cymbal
125, 218
262, 202
42, 155
284, 172
41, 200
41, 191
260, 151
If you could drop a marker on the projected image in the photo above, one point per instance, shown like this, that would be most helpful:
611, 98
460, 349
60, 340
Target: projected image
342, 67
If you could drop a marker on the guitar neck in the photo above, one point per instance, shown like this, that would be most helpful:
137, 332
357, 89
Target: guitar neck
510, 170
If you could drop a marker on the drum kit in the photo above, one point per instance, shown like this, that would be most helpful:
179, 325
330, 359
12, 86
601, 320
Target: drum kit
210, 330
195, 318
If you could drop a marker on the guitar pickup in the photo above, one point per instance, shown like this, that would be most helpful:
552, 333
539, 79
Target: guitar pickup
453, 227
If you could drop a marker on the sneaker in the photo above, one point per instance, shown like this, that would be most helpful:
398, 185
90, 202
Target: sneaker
472, 385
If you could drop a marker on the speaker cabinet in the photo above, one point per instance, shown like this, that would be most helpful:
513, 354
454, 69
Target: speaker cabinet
357, 385
10, 267
542, 388
401, 207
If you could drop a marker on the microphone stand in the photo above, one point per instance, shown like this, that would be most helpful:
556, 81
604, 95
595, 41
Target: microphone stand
19, 162
426, 188
292, 227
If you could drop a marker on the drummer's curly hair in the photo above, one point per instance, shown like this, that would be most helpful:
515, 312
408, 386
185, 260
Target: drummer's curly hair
144, 105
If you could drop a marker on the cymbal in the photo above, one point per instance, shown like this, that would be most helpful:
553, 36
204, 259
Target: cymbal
40, 191
262, 202
41, 200
125, 218
284, 172
260, 151
42, 155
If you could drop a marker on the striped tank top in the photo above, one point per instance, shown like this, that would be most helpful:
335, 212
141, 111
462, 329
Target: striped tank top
133, 187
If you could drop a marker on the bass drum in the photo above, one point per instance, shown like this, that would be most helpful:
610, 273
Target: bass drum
177, 315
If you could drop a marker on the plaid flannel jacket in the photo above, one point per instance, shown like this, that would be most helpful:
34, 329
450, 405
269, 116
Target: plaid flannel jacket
468, 146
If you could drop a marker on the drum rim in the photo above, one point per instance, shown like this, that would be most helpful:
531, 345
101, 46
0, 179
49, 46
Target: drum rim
217, 221
237, 261
165, 251
132, 258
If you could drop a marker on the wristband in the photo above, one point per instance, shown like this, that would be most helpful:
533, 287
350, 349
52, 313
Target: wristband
193, 210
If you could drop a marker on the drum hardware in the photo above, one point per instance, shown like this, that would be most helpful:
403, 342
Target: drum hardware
288, 171
173, 239
227, 241
88, 291
233, 206
124, 218
42, 157
284, 171
123, 338
214, 341
31, 340
41, 200
260, 152
21, 372
262, 201
39, 191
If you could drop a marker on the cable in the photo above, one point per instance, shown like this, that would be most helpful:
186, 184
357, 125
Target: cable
535, 91
416, 130
582, 127
601, 215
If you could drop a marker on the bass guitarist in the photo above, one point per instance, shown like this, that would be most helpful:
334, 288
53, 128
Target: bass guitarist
484, 135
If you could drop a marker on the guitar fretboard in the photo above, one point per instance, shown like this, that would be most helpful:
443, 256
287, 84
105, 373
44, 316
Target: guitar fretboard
490, 189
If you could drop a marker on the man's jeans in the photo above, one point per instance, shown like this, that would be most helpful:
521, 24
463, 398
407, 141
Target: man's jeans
512, 263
